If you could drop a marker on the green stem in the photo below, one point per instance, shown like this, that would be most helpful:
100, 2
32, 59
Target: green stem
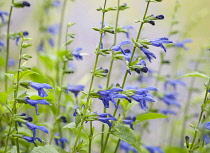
7, 47
126, 73
187, 106
92, 80
199, 120
90, 137
59, 41
111, 66
118, 143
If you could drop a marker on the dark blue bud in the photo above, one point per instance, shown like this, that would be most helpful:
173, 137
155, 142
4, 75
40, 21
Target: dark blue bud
63, 118
144, 69
106, 70
30, 119
127, 51
22, 114
26, 4
160, 17
137, 70
152, 22
25, 33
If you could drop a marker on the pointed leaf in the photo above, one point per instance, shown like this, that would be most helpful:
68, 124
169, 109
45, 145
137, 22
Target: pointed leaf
149, 116
44, 149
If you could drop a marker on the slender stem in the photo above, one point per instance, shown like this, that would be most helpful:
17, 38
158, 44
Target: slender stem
118, 143
126, 73
111, 66
200, 118
7, 47
90, 137
187, 106
92, 80
59, 41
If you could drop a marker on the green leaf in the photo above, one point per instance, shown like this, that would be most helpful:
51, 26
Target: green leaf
149, 116
194, 74
44, 149
3, 97
77, 120
124, 133
25, 74
70, 126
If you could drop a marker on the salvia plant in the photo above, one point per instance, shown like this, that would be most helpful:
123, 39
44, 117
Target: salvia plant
129, 78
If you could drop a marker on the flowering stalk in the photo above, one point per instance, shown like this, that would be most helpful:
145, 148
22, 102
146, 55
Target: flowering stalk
16, 88
187, 106
8, 45
200, 117
91, 83
111, 66
126, 73
59, 40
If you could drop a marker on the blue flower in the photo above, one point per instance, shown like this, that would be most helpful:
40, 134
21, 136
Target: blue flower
29, 119
75, 110
127, 147
170, 99
181, 44
144, 69
33, 128
76, 54
206, 138
174, 83
129, 122
119, 46
148, 53
32, 139
128, 29
160, 17
1, 45
154, 149
39, 87
11, 62
103, 118
75, 89
110, 95
56, 3
53, 29
159, 42
35, 102
207, 125
167, 111
61, 141
2, 14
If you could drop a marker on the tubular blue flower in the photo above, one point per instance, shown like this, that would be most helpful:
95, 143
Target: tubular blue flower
160, 17
206, 138
181, 44
76, 54
41, 46
75, 110
53, 29
103, 118
61, 141
33, 128
110, 95
154, 149
128, 29
174, 83
75, 89
129, 122
2, 14
127, 147
1, 45
27, 4
119, 46
170, 99
35, 102
167, 111
207, 125
148, 53
39, 87
159, 42
32, 139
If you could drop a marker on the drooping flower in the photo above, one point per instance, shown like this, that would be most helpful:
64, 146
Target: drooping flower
75, 89
154, 149
129, 121
174, 83
181, 44
127, 147
60, 141
119, 46
170, 98
32, 139
103, 118
167, 111
39, 87
148, 53
110, 95
76, 54
128, 29
34, 127
159, 42
2, 14
35, 102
